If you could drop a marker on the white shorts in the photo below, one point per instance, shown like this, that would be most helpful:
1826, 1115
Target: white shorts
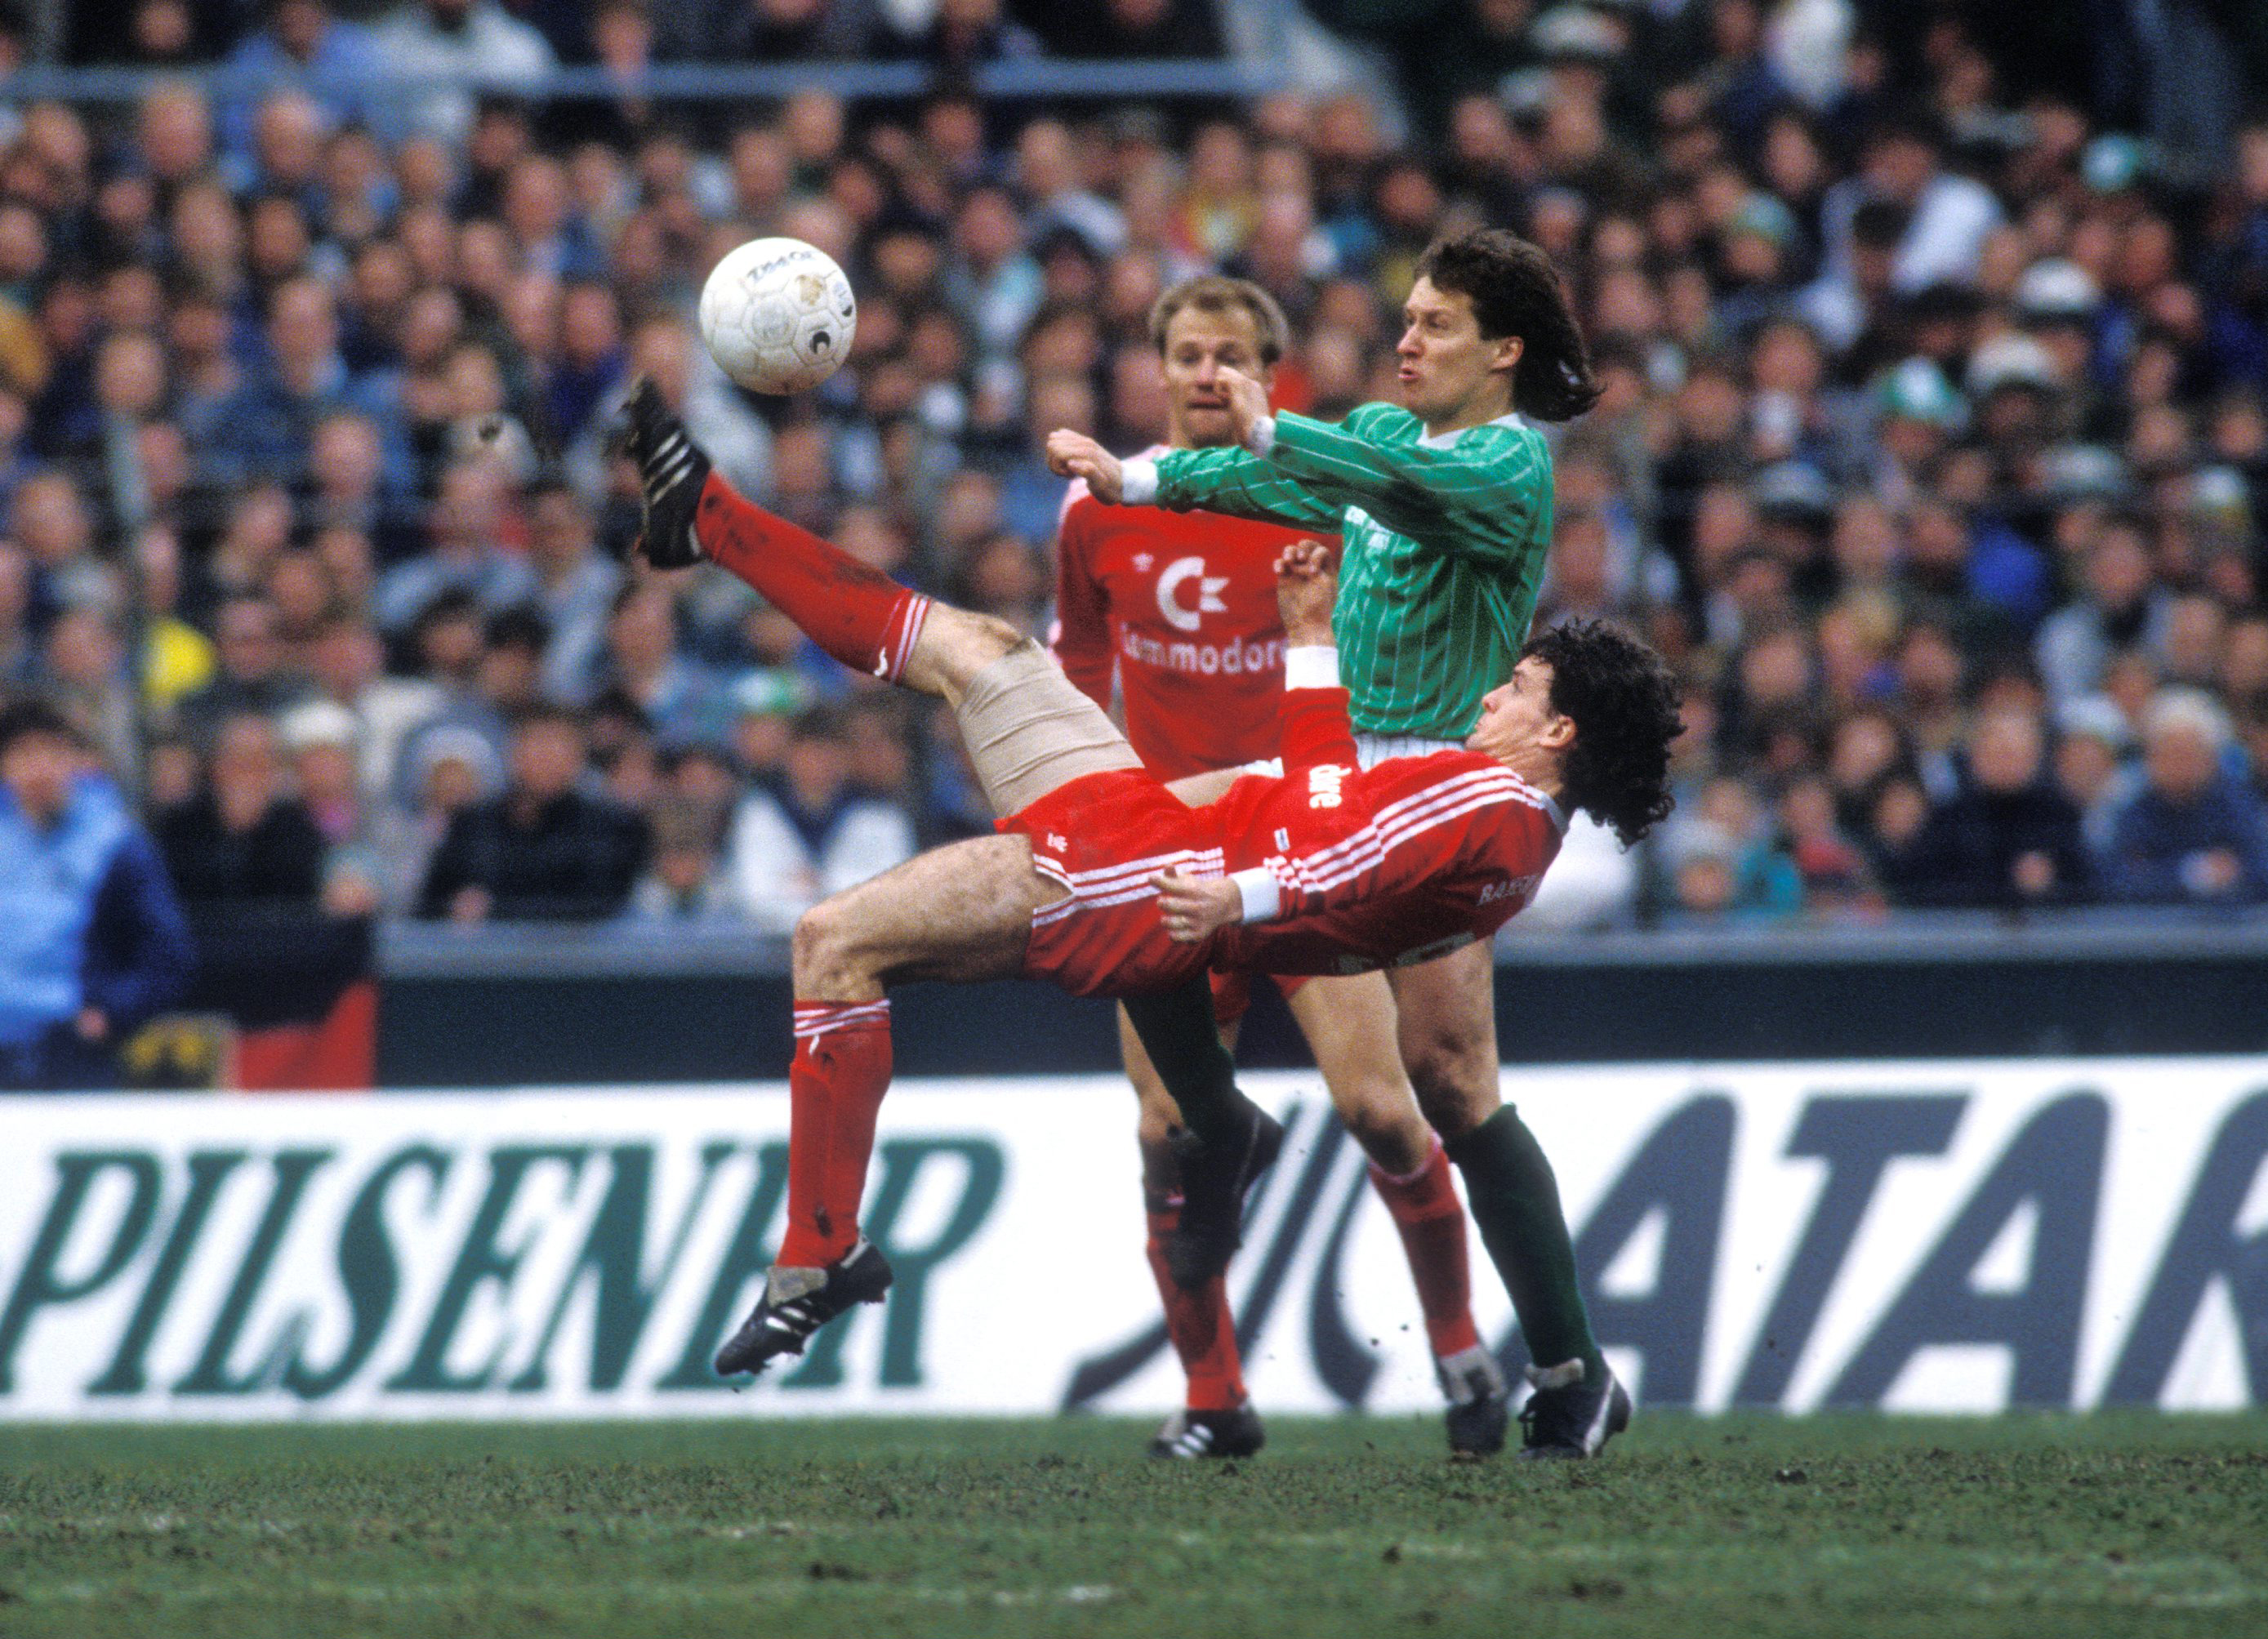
1373, 749
1369, 749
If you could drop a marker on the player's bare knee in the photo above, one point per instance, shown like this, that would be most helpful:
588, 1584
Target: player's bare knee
821, 951
1383, 1120
954, 645
1376, 1113
1454, 1108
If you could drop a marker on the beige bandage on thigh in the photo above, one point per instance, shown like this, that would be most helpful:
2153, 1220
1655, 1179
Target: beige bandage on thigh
1029, 729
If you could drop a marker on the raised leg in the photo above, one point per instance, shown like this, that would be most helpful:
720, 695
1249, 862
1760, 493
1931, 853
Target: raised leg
1028, 728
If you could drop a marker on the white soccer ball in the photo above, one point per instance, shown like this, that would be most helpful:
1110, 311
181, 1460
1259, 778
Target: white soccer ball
778, 315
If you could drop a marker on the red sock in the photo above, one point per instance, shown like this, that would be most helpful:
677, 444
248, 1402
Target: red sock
1203, 1332
1426, 1210
836, 1084
858, 615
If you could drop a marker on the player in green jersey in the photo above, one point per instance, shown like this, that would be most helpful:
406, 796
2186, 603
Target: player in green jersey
1444, 506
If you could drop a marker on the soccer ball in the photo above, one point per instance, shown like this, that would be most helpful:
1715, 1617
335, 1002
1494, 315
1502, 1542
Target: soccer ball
778, 315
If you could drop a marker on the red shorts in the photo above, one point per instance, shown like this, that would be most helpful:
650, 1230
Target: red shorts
1105, 836
1231, 991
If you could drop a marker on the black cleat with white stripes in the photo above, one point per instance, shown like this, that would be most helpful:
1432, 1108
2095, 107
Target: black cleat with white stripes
1573, 1413
1189, 1436
798, 1302
672, 470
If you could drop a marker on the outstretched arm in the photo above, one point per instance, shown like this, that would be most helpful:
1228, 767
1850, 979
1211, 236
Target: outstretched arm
1476, 815
1317, 729
1478, 497
1216, 481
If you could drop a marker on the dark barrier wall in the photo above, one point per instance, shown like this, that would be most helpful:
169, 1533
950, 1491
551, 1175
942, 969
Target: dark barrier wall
505, 1008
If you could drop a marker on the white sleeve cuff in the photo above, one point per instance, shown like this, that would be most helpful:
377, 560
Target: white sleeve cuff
1137, 482
1312, 666
1260, 438
1262, 893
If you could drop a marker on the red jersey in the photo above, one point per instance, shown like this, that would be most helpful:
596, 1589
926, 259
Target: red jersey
1368, 868
1182, 605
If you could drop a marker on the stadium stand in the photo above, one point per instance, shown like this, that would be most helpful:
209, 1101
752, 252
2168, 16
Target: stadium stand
1934, 449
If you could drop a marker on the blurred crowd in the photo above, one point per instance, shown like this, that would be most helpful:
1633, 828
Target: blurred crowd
1934, 449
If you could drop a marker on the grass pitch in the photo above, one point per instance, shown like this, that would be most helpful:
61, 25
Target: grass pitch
1830, 1526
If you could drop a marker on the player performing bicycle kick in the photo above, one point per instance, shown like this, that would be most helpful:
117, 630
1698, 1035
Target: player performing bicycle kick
1106, 883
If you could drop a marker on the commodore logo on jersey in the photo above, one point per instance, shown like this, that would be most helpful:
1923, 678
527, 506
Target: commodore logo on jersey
1208, 590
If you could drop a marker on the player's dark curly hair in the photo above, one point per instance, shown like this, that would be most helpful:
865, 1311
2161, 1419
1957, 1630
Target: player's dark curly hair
1624, 699
1515, 290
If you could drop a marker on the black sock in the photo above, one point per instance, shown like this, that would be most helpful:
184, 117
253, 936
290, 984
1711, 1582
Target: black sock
1514, 1201
1183, 1038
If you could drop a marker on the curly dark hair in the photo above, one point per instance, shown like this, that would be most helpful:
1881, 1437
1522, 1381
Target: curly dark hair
1624, 700
1515, 290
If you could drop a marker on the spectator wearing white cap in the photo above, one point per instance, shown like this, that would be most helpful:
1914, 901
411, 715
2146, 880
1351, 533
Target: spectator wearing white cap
2094, 765
2014, 382
347, 661
449, 770
2058, 302
2194, 834
319, 740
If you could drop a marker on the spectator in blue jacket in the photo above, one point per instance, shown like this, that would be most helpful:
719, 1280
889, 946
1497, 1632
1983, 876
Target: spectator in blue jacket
93, 942
303, 45
2194, 833
265, 431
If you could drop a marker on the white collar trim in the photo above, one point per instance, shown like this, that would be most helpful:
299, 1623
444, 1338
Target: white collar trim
1443, 440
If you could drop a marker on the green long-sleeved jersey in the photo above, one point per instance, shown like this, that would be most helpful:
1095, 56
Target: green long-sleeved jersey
1445, 540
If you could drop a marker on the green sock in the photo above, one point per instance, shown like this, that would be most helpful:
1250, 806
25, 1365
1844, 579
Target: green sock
1515, 1202
1183, 1038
